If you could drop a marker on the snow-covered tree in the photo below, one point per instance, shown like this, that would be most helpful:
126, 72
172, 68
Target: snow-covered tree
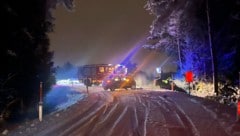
24, 52
177, 32
183, 27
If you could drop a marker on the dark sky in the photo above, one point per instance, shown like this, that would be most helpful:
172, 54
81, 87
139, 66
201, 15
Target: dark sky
102, 32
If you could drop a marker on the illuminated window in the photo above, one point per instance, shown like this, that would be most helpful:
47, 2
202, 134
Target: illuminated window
101, 69
110, 69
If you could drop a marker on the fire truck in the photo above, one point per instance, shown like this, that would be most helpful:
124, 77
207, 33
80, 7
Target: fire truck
93, 74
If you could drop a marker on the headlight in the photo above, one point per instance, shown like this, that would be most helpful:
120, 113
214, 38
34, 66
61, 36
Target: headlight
116, 79
126, 79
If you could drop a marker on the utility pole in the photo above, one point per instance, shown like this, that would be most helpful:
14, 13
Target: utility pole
179, 53
179, 50
213, 56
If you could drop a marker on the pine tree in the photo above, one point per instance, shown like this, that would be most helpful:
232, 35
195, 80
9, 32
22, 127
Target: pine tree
25, 56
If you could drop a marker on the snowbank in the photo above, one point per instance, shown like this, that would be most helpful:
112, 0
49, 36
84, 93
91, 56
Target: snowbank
72, 99
61, 97
200, 89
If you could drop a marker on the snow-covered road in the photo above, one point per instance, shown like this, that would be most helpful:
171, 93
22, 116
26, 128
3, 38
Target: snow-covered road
138, 113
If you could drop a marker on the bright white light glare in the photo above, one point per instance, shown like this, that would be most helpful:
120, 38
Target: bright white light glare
158, 69
67, 82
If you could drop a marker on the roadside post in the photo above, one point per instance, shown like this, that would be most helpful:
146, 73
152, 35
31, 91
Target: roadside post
189, 79
172, 83
87, 87
40, 106
87, 83
172, 86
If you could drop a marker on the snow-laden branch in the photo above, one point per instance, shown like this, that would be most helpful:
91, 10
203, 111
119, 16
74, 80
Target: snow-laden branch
52, 5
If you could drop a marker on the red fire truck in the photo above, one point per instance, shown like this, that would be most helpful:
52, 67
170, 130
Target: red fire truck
93, 74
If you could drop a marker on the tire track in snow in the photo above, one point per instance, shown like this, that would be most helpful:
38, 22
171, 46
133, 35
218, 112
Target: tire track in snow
98, 119
76, 125
87, 117
139, 99
193, 127
117, 121
213, 114
60, 126
138, 109
109, 113
146, 112
90, 124
83, 126
105, 109
182, 116
103, 117
147, 107
136, 116
156, 120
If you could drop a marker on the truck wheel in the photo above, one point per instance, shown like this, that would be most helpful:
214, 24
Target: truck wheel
133, 87
105, 88
112, 89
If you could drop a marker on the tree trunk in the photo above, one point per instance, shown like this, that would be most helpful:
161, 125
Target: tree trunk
213, 55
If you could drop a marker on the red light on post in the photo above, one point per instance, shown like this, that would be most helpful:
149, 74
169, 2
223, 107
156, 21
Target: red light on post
189, 76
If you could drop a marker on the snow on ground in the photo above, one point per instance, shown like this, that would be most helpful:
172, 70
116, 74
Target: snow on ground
67, 82
201, 89
62, 97
72, 99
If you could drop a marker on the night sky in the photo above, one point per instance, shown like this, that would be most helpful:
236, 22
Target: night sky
102, 32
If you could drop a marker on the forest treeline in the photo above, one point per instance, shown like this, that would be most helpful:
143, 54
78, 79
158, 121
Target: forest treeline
202, 35
25, 55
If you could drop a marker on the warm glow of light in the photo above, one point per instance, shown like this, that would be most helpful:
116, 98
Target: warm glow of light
144, 62
126, 79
